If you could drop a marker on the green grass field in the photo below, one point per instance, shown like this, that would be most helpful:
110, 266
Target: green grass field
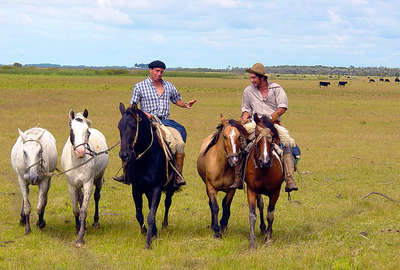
350, 145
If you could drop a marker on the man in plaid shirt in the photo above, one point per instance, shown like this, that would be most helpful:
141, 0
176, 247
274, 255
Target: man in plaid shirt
154, 95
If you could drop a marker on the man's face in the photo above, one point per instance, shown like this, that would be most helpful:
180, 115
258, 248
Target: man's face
156, 74
256, 81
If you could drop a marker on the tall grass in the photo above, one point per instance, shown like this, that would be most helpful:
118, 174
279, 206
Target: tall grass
349, 142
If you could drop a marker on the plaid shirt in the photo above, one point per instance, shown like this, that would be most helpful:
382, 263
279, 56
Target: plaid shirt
146, 94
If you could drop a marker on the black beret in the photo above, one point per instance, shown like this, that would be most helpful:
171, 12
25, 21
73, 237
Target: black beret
157, 64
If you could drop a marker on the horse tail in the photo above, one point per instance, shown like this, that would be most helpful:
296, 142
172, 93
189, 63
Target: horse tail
284, 136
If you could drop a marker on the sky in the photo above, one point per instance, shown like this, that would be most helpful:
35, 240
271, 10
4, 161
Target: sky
202, 33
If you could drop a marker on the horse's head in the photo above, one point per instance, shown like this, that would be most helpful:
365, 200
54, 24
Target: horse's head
79, 132
233, 135
33, 154
128, 130
264, 132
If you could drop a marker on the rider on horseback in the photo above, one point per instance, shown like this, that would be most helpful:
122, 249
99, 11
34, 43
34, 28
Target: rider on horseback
269, 99
154, 95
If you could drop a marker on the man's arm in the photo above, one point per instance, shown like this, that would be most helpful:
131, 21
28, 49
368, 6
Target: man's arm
276, 114
187, 105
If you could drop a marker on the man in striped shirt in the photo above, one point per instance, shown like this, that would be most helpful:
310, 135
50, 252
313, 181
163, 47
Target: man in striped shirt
154, 95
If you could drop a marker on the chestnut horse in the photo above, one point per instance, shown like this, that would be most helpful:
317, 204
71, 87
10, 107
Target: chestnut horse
263, 174
219, 154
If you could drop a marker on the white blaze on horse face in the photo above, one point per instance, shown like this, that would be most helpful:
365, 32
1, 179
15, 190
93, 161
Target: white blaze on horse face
265, 152
80, 130
232, 136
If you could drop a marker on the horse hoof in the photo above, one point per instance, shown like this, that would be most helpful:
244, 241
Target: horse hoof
218, 235
41, 225
268, 242
143, 230
22, 222
96, 225
79, 244
165, 225
28, 231
253, 246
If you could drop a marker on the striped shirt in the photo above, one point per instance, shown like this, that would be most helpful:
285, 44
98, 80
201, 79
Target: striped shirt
146, 94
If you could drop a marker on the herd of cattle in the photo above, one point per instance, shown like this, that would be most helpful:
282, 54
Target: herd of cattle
343, 83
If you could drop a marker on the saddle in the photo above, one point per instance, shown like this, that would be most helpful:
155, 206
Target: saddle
166, 140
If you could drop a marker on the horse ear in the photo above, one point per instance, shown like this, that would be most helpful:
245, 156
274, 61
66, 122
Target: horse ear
22, 135
256, 118
223, 120
71, 114
134, 107
122, 108
41, 134
85, 113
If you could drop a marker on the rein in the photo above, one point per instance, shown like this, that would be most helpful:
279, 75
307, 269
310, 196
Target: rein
93, 155
135, 141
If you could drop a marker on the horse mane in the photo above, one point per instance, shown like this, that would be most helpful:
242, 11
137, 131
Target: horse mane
215, 137
267, 123
239, 126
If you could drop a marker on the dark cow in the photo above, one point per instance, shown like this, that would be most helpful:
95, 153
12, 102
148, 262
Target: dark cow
387, 80
341, 83
381, 79
371, 80
397, 80
325, 84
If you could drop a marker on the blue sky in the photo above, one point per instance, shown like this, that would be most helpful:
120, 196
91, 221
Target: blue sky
203, 33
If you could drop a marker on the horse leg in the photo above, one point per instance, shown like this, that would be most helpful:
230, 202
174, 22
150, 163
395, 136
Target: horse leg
252, 200
26, 206
87, 189
73, 193
44, 186
260, 205
212, 195
167, 203
226, 209
270, 215
22, 221
99, 184
138, 199
154, 201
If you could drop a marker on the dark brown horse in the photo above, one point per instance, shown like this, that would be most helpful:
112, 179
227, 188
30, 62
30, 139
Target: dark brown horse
263, 175
219, 154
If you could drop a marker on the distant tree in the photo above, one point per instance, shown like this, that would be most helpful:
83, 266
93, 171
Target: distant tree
17, 65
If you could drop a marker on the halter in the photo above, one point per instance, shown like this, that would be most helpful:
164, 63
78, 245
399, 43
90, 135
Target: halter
86, 145
40, 162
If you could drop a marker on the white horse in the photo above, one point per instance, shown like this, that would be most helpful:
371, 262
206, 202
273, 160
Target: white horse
33, 158
87, 168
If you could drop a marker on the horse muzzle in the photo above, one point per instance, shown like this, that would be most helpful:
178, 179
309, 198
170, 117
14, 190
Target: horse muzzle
264, 164
80, 152
31, 177
233, 160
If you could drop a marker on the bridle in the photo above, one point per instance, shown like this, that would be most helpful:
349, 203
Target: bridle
264, 133
40, 162
229, 157
133, 153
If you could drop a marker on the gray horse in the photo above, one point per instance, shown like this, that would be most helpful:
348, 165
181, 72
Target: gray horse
33, 158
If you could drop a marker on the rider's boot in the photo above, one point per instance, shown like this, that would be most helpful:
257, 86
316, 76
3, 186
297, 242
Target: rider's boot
237, 181
288, 164
179, 181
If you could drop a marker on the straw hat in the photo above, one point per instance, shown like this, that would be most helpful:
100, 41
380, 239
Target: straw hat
257, 68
